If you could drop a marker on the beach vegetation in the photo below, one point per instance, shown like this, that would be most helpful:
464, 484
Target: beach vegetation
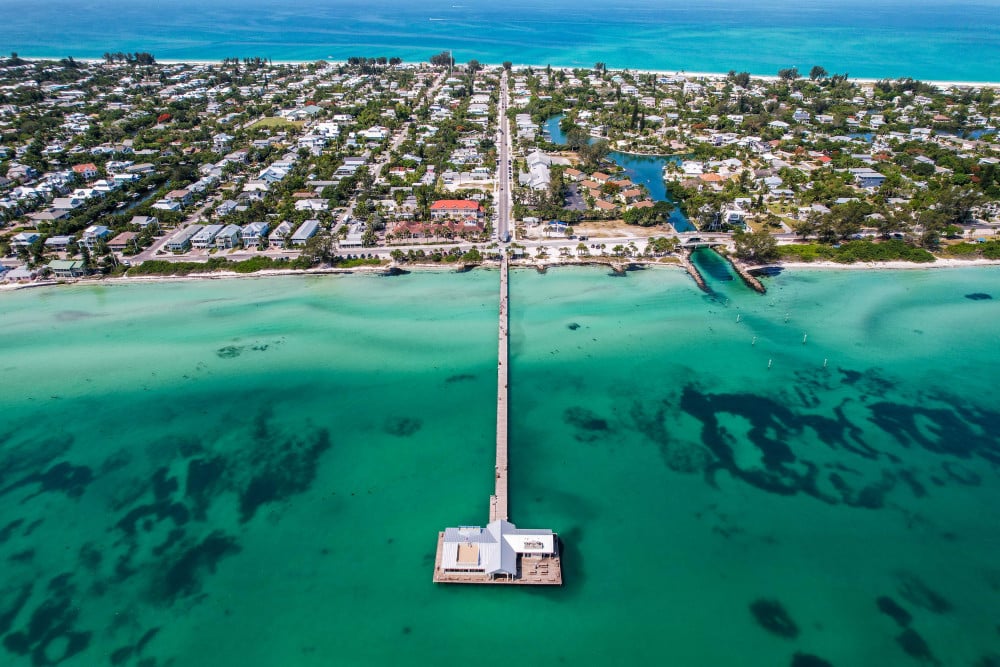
756, 246
894, 250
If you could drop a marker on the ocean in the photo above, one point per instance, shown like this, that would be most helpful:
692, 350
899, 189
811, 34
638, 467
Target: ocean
954, 41
253, 471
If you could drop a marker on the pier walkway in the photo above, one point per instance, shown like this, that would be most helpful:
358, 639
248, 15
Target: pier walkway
498, 501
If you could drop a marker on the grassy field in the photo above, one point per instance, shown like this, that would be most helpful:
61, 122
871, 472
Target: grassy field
274, 122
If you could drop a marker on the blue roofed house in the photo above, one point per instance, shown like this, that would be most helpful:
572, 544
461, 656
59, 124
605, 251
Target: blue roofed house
229, 237
91, 235
866, 177
306, 231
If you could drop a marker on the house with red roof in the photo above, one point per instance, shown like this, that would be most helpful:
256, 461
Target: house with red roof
87, 171
455, 208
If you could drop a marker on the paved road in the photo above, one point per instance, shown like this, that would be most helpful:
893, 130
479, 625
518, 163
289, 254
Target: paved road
504, 167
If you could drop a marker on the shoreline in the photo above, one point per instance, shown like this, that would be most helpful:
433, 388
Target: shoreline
621, 265
941, 83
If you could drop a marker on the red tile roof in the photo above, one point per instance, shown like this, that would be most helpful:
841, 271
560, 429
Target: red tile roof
455, 205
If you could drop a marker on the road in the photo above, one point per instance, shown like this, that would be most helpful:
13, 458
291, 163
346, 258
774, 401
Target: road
504, 167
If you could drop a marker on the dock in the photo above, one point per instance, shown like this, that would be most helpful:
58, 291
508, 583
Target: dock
499, 553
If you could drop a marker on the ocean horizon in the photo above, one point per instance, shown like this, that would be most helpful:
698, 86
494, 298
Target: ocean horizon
958, 41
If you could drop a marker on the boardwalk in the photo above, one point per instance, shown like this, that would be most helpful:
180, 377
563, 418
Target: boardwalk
498, 501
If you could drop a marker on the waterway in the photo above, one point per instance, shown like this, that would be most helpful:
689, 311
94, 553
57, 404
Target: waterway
253, 472
645, 170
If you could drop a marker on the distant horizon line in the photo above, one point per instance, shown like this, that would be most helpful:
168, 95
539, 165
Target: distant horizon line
704, 75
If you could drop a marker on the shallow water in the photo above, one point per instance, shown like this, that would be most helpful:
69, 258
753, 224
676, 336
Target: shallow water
252, 472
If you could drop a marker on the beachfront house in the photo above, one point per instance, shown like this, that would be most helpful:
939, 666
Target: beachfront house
67, 268
205, 236
279, 237
181, 240
306, 231
253, 233
228, 237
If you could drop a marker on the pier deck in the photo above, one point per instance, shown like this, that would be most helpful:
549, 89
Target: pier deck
498, 501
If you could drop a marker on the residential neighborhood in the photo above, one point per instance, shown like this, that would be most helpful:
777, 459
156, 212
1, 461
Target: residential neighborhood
119, 167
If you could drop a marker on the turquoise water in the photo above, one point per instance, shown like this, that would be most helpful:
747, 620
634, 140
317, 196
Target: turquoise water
646, 170
878, 38
252, 472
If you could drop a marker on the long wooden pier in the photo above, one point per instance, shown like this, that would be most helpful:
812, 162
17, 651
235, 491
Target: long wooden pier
498, 501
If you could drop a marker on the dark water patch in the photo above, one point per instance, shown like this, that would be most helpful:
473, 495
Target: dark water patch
116, 461
25, 556
959, 473
870, 496
912, 589
163, 510
937, 430
407, 630
33, 526
916, 646
17, 643
173, 538
893, 610
121, 655
164, 485
12, 601
205, 480
978, 296
402, 427
461, 377
772, 616
991, 660
809, 660
31, 456
89, 556
229, 351
910, 479
182, 576
9, 529
584, 419
682, 457
869, 383
281, 470
62, 477
572, 326
146, 638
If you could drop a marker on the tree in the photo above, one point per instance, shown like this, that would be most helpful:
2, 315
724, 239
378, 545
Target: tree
817, 73
474, 66
507, 65
600, 67
442, 59
741, 79
789, 74
757, 246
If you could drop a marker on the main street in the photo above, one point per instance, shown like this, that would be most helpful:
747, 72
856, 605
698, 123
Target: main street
504, 166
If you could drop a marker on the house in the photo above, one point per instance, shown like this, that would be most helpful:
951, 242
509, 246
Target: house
455, 208
24, 239
91, 235
87, 171
314, 205
67, 268
182, 196
306, 231
229, 237
123, 241
144, 222
58, 243
253, 233
205, 236
225, 207
181, 240
167, 205
867, 177
279, 237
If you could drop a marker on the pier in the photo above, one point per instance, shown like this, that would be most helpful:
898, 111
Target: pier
500, 552
498, 501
